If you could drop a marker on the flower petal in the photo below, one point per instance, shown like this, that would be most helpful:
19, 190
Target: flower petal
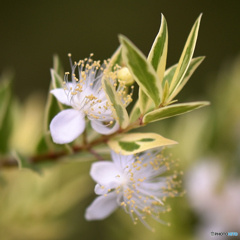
101, 207
67, 126
61, 95
121, 161
105, 173
101, 128
100, 190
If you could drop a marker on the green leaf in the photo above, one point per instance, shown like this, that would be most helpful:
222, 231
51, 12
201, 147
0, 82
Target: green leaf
132, 143
53, 107
195, 62
169, 73
135, 113
129, 146
57, 81
6, 121
146, 140
142, 70
42, 145
165, 91
158, 53
24, 163
57, 66
116, 59
172, 110
118, 109
144, 101
185, 58
5, 95
157, 57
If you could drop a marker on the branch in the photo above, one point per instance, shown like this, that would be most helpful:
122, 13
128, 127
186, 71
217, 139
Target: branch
9, 162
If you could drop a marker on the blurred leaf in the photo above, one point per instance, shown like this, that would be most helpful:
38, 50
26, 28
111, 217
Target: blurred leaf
6, 122
172, 110
57, 81
46, 204
142, 71
42, 145
3, 181
53, 107
185, 58
116, 59
23, 163
57, 66
116, 104
132, 143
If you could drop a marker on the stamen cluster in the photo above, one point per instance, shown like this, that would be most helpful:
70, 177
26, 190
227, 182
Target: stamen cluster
85, 94
134, 183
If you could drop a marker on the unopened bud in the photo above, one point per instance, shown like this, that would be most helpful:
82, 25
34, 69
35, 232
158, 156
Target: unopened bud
125, 76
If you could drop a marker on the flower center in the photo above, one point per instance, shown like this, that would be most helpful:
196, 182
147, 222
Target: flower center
85, 92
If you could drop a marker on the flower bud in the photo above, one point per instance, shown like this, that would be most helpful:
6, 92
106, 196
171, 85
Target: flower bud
125, 76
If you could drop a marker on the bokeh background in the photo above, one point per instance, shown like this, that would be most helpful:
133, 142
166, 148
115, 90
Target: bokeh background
51, 207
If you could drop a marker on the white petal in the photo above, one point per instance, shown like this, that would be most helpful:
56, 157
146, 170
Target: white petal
101, 190
101, 128
61, 95
105, 173
121, 161
101, 207
67, 126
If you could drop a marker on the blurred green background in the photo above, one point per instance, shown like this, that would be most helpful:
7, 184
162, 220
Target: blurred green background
51, 207
32, 31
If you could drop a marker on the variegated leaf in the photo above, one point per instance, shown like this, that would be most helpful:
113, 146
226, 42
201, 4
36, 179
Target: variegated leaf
185, 58
172, 110
132, 143
158, 53
142, 70
118, 109
57, 65
157, 57
116, 59
195, 62
135, 113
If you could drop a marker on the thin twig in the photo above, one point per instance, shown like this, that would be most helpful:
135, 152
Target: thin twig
94, 153
55, 156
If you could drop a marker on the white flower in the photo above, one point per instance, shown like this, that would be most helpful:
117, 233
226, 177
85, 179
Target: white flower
215, 201
133, 183
87, 98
